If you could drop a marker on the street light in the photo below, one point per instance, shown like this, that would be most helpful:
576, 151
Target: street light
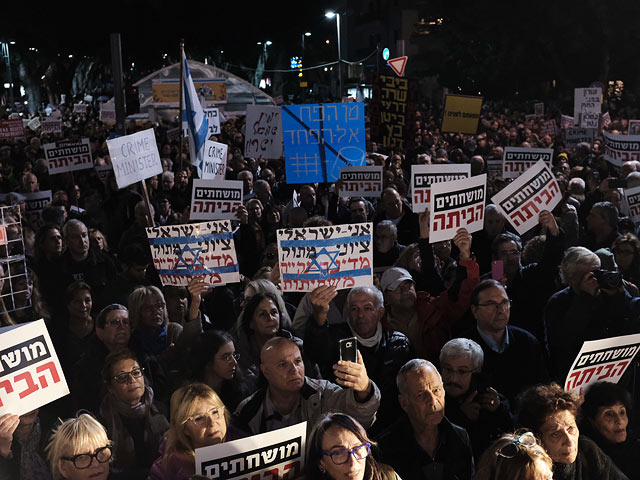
330, 15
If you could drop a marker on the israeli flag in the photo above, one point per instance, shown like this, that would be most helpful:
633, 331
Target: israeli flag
197, 123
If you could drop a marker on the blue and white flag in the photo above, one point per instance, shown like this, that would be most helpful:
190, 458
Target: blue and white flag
197, 123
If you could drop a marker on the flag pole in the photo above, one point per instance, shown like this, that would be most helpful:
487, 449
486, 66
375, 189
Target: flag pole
181, 96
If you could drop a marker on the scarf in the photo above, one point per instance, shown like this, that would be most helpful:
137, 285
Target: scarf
371, 341
154, 343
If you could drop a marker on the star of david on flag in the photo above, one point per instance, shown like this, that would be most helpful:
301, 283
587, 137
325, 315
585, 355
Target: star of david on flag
193, 114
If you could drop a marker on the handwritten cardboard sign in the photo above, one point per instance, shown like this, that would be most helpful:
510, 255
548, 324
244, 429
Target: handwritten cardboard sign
30, 372
517, 160
522, 200
632, 195
587, 106
215, 200
361, 181
602, 360
213, 117
263, 132
621, 148
575, 135
214, 163
423, 176
340, 255
457, 204
181, 252
68, 156
134, 157
276, 454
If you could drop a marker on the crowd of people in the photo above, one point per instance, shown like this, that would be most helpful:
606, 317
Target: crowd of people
457, 375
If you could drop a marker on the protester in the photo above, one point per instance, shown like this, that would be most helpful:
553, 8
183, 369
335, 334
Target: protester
21, 454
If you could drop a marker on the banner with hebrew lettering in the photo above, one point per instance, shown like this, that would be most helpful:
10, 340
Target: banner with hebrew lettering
361, 182
34, 203
263, 132
30, 372
517, 160
457, 204
632, 195
319, 139
13, 128
423, 176
50, 125
575, 135
214, 162
215, 199
523, 199
339, 255
181, 252
278, 454
134, 157
65, 156
392, 111
603, 360
621, 148
587, 106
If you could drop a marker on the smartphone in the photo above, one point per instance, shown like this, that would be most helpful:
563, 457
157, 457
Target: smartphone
617, 183
348, 348
497, 270
478, 383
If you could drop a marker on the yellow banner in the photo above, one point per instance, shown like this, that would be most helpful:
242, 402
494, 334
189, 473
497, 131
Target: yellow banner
461, 114
167, 92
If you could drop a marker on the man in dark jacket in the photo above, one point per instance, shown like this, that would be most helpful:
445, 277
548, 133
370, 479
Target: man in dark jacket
394, 209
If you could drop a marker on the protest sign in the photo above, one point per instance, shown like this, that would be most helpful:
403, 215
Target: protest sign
214, 162
181, 252
361, 181
134, 157
108, 112
30, 372
79, 108
213, 117
65, 156
566, 121
533, 191
457, 204
423, 176
494, 168
14, 284
538, 109
392, 111
517, 160
602, 360
606, 120
319, 139
461, 114
34, 123
215, 200
263, 136
278, 454
50, 125
548, 128
34, 203
634, 127
621, 148
340, 255
632, 195
166, 92
11, 128
587, 106
575, 135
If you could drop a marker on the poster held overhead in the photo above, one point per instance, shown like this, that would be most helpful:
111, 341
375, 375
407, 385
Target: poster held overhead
215, 200
517, 160
66, 156
461, 114
263, 132
134, 157
423, 176
621, 148
214, 164
361, 182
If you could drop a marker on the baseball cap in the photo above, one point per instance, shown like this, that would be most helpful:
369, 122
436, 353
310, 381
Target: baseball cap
393, 277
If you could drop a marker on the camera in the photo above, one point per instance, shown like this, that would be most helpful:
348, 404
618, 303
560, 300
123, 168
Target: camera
609, 279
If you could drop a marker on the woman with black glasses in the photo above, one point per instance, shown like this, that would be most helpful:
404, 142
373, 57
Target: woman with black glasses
339, 449
131, 416
80, 449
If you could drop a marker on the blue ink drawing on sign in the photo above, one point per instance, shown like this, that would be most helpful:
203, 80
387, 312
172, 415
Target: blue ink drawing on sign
330, 266
321, 138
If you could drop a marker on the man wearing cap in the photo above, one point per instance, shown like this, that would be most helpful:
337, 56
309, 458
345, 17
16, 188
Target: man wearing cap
424, 318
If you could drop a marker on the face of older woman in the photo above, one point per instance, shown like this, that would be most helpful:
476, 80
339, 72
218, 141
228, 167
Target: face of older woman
334, 440
266, 319
126, 387
612, 422
560, 436
207, 426
95, 471
152, 313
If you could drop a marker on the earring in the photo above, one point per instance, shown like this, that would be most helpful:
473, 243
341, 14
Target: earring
321, 468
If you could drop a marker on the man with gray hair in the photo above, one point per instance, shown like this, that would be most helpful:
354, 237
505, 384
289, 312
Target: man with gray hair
383, 351
386, 248
594, 305
423, 443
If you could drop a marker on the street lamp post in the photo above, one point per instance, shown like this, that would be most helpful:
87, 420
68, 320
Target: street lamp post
337, 15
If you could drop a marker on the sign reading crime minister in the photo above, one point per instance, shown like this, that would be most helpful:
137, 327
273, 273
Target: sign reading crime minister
461, 114
134, 157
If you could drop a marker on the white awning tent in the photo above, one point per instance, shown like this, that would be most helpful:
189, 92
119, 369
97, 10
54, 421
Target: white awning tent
240, 93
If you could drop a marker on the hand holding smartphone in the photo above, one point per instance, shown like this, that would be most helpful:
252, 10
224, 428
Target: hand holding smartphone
348, 349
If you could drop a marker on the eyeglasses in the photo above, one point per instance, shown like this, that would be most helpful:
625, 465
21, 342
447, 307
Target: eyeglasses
84, 460
508, 253
511, 449
506, 304
155, 306
124, 376
452, 371
200, 419
119, 322
340, 457
230, 357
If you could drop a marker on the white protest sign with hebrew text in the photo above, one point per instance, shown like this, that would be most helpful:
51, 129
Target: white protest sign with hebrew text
457, 204
65, 156
423, 176
339, 255
522, 200
181, 252
213, 117
276, 454
30, 372
50, 125
135, 157
34, 203
214, 164
566, 121
517, 160
538, 109
632, 195
263, 132
215, 200
587, 106
108, 113
621, 148
79, 108
361, 181
603, 360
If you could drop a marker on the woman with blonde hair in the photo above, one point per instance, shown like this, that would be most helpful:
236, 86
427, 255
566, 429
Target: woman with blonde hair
198, 419
80, 449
